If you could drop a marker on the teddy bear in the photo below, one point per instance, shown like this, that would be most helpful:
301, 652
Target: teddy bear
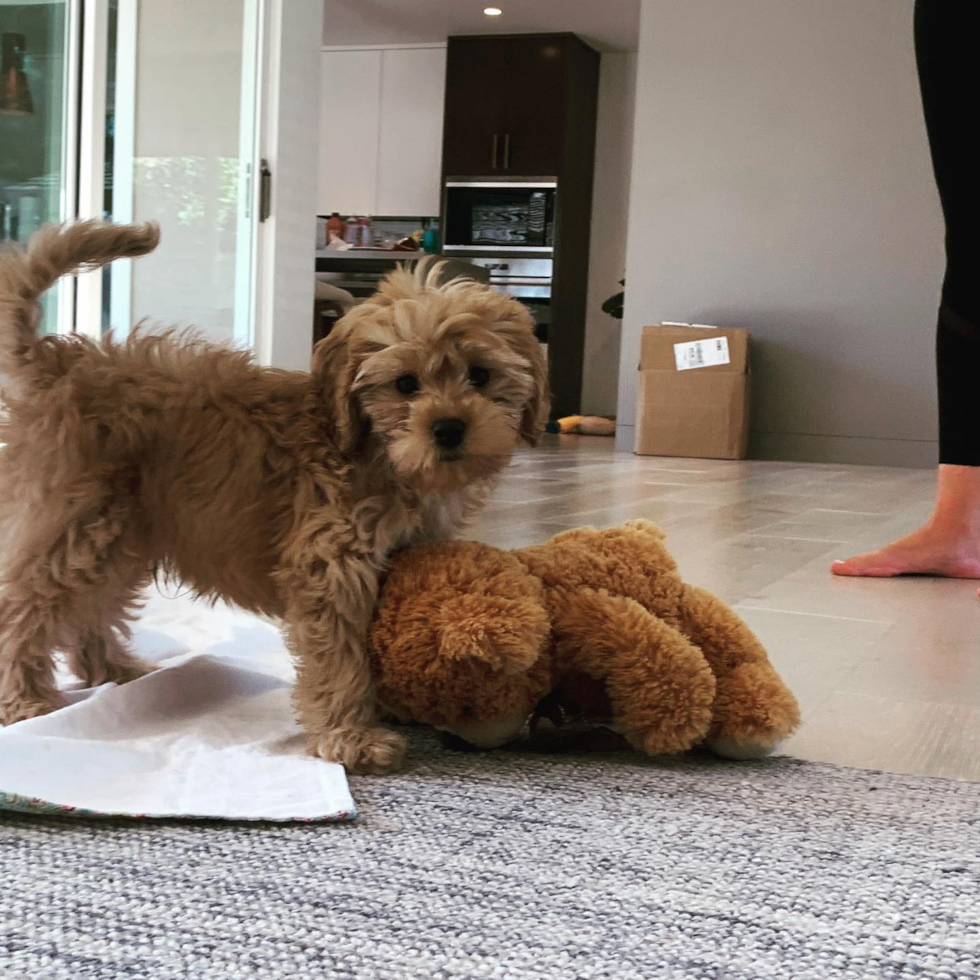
595, 625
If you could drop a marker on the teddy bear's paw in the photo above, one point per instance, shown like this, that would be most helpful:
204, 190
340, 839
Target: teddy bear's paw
668, 741
368, 751
741, 749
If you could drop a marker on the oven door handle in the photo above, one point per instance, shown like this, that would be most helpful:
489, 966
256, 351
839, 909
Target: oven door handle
493, 152
506, 151
518, 281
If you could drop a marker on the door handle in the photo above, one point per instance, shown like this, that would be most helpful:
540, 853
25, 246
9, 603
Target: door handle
493, 152
506, 151
265, 191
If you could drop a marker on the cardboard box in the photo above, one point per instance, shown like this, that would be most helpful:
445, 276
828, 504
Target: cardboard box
693, 392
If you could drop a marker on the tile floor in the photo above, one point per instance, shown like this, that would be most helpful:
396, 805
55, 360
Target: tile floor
887, 672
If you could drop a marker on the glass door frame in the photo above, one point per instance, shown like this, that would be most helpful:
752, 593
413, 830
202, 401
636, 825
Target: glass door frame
83, 193
65, 321
272, 285
90, 158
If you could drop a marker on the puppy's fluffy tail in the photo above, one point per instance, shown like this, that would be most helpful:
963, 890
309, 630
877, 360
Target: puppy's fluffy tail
53, 252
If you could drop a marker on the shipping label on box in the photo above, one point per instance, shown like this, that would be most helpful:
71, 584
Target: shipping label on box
702, 353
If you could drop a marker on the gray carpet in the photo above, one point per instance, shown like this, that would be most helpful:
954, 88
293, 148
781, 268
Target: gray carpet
515, 866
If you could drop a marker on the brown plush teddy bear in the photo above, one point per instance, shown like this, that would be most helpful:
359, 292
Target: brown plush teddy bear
595, 625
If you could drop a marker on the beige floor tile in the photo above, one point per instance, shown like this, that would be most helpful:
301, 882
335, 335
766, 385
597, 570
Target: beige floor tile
815, 655
924, 737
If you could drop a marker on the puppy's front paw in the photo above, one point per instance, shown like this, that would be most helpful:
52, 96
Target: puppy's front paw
361, 750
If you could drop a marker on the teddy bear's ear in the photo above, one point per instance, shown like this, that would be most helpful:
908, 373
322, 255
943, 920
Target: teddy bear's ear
647, 528
509, 635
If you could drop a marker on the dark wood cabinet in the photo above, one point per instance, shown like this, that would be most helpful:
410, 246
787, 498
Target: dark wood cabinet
508, 103
524, 106
471, 133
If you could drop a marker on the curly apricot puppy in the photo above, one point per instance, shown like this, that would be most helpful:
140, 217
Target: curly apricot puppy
281, 492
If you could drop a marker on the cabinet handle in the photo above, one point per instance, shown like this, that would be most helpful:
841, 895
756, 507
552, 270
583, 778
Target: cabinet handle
493, 153
506, 151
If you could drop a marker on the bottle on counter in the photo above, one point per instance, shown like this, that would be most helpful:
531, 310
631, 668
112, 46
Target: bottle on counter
430, 239
367, 236
351, 231
335, 227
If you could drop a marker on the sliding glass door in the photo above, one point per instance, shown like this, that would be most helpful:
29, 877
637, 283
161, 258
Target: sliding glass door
188, 137
180, 122
137, 110
37, 166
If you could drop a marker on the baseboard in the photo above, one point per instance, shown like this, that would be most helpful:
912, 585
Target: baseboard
796, 447
802, 448
625, 438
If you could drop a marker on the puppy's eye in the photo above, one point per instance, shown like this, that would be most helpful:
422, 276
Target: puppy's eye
407, 384
479, 377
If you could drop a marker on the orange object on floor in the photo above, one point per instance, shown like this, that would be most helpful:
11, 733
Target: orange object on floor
586, 425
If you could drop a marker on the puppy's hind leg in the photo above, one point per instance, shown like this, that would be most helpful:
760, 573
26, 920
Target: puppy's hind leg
27, 686
54, 580
103, 658
100, 655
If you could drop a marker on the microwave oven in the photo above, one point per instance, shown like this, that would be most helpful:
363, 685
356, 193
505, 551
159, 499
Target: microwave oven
493, 216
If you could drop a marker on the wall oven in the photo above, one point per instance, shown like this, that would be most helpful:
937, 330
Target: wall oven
499, 217
527, 280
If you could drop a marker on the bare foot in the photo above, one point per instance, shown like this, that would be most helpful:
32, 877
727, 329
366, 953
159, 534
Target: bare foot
928, 551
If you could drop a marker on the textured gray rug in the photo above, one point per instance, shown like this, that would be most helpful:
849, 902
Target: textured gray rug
520, 866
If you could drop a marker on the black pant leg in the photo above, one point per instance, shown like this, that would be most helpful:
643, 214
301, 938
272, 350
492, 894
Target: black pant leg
947, 44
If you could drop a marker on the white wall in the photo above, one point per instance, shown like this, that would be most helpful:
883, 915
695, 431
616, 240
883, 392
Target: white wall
610, 210
781, 181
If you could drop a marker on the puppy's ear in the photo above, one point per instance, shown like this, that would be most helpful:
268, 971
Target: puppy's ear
334, 366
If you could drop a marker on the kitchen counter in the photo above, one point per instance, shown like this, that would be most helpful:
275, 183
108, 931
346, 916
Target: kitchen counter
358, 270
367, 254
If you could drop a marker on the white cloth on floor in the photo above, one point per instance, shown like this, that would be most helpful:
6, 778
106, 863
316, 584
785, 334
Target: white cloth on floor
210, 734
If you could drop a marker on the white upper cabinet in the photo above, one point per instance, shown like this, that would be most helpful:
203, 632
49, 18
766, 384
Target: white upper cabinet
381, 132
350, 107
413, 87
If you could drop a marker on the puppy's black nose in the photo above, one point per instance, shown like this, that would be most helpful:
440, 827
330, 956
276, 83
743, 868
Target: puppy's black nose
448, 433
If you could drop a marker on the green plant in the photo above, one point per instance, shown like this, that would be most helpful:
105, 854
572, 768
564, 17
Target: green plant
614, 305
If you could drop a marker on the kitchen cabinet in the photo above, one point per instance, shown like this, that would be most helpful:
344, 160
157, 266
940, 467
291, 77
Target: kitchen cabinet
522, 107
381, 130
473, 122
510, 103
413, 85
350, 110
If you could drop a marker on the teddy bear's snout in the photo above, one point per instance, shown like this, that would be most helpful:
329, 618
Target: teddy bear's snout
485, 734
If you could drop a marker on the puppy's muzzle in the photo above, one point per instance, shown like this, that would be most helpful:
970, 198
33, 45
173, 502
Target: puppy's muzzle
448, 433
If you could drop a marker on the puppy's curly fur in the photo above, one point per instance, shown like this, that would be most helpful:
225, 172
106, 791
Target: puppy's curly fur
282, 492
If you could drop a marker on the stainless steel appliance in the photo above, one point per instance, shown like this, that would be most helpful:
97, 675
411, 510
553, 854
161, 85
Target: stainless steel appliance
526, 279
499, 216
359, 271
523, 278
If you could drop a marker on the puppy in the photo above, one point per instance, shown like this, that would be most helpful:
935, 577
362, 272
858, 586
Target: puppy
281, 492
